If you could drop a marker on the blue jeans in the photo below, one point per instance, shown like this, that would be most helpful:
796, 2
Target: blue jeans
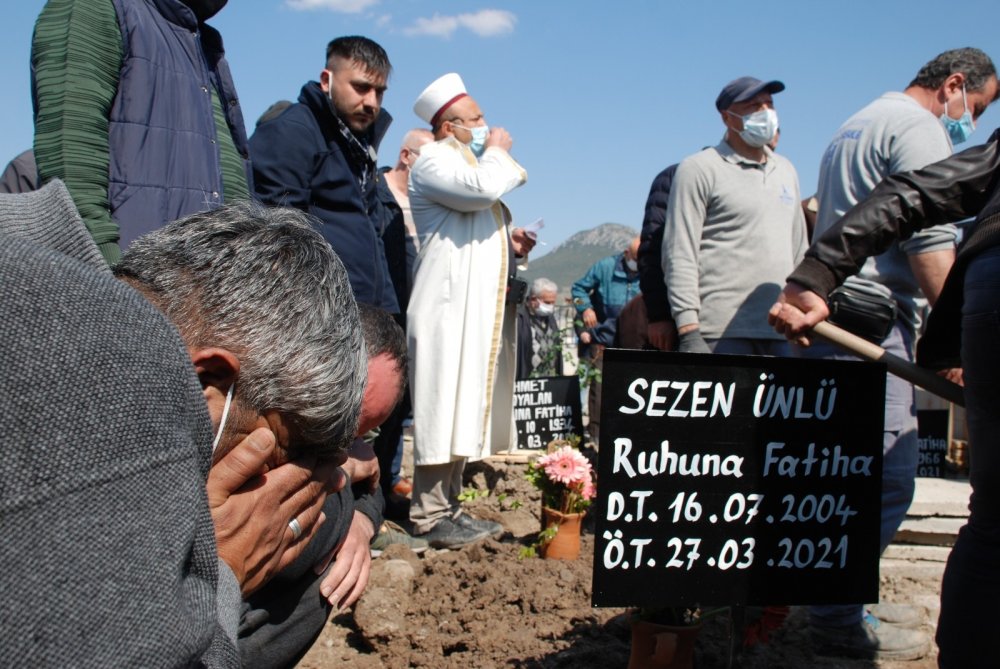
969, 626
397, 462
899, 452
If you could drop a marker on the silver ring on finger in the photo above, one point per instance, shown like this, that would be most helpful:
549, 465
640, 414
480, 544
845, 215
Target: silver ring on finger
295, 527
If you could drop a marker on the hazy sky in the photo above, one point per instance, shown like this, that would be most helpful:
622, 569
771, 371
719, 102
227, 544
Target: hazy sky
598, 96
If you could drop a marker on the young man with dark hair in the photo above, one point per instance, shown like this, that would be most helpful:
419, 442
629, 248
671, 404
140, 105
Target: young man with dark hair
320, 155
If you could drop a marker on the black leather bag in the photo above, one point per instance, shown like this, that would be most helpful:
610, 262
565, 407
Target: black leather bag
517, 290
866, 314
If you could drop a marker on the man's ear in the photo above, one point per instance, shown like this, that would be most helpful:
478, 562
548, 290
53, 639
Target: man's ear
951, 86
217, 369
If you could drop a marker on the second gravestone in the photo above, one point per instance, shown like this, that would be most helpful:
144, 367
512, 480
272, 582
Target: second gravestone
546, 408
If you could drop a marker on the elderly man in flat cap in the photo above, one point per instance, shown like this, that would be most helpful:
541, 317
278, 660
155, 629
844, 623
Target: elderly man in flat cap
734, 229
460, 324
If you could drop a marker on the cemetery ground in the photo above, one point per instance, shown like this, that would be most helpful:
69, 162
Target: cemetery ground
489, 606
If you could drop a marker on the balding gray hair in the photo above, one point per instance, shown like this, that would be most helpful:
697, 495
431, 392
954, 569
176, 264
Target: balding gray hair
264, 284
977, 67
416, 138
543, 285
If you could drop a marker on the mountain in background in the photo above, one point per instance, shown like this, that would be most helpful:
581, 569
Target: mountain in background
570, 260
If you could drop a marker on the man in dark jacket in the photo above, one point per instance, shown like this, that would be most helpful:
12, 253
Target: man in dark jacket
395, 220
660, 331
963, 323
136, 111
319, 155
21, 174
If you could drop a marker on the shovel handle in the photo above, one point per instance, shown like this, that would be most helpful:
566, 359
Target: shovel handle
904, 369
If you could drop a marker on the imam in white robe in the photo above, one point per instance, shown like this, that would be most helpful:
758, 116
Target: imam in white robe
460, 336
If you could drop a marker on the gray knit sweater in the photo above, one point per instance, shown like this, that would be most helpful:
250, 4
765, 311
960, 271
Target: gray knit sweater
48, 217
108, 556
733, 232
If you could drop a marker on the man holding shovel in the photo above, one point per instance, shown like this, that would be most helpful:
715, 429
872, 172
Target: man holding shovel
895, 133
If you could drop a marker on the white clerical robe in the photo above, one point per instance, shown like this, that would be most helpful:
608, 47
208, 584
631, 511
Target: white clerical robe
456, 317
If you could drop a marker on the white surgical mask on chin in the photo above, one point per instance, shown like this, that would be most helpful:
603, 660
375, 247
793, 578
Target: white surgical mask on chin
225, 414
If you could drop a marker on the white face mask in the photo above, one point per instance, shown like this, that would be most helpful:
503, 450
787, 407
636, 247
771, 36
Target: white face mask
759, 127
225, 414
632, 265
545, 309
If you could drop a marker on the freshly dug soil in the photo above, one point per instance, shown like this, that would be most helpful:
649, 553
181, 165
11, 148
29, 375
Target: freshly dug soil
490, 606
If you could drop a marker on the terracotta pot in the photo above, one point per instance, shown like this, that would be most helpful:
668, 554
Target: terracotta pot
656, 646
566, 544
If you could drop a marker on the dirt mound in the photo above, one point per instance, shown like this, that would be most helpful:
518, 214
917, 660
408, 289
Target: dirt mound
490, 606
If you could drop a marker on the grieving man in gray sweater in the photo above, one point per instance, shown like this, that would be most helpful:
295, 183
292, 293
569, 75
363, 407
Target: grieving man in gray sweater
267, 312
734, 230
113, 547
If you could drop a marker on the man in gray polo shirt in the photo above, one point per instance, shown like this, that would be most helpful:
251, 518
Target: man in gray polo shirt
734, 229
897, 132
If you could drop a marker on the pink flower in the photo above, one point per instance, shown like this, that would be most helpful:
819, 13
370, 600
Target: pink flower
589, 490
566, 465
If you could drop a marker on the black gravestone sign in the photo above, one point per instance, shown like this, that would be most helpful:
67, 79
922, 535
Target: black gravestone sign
738, 480
546, 408
932, 439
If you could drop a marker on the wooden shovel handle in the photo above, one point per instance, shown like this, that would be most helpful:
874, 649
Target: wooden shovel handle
904, 369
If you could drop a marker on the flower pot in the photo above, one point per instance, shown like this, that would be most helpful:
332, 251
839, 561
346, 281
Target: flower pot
565, 545
656, 646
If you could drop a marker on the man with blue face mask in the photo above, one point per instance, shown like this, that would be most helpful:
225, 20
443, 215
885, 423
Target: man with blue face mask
460, 323
734, 229
898, 132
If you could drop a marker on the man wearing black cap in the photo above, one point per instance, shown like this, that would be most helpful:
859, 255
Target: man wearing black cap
734, 229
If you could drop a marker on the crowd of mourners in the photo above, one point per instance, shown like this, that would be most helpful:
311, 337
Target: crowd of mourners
212, 342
